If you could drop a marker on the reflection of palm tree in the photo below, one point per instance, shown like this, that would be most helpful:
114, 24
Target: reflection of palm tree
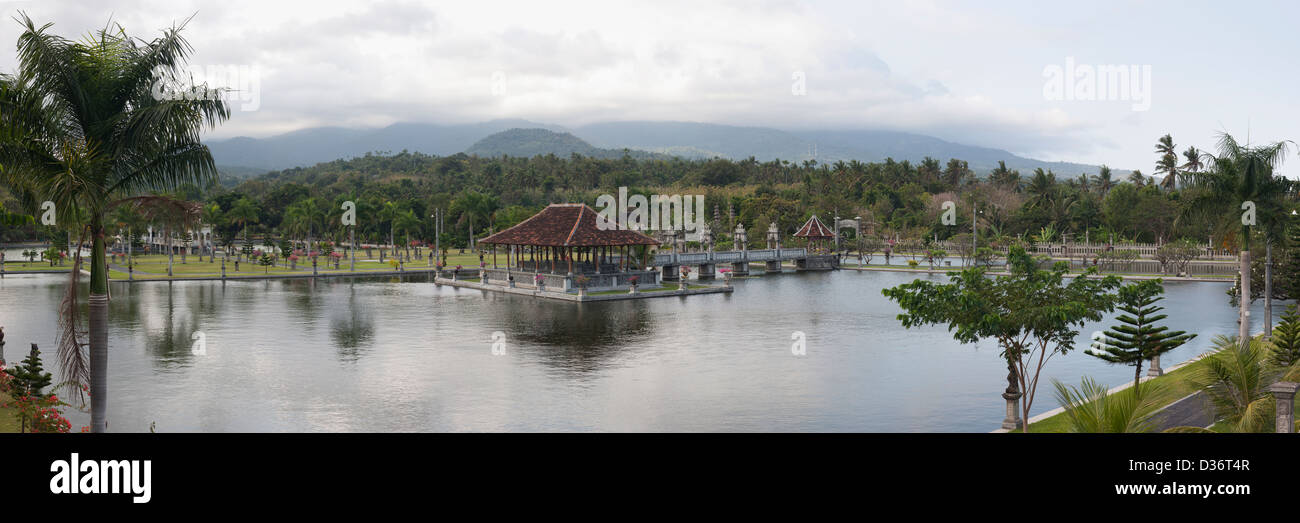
353, 331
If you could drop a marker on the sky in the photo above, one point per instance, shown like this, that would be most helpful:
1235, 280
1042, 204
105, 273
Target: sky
989, 73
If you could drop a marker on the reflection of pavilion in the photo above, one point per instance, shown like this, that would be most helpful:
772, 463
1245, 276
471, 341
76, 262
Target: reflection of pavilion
564, 241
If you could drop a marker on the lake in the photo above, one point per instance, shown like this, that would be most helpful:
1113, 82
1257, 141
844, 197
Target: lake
390, 354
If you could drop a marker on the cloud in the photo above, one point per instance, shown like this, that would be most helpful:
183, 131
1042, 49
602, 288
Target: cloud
324, 63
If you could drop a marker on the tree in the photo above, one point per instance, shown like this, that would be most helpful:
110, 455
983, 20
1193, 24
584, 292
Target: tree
1032, 313
243, 213
1168, 162
29, 377
1138, 339
1091, 408
1104, 181
1286, 339
1239, 189
1236, 380
80, 127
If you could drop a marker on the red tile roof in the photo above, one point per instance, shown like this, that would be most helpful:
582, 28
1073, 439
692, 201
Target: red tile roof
814, 228
566, 225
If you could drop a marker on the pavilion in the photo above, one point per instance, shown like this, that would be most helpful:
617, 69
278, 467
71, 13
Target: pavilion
816, 232
563, 241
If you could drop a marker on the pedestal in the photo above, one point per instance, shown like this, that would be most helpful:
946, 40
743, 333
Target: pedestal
1012, 421
1284, 394
1155, 369
774, 266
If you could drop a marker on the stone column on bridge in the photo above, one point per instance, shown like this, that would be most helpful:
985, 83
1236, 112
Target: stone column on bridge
773, 236
1284, 394
670, 272
740, 268
707, 270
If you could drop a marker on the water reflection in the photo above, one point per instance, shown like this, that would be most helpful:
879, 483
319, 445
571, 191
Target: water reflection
352, 329
403, 354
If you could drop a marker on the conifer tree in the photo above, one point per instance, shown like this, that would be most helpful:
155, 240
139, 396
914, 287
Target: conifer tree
30, 377
1138, 338
1286, 338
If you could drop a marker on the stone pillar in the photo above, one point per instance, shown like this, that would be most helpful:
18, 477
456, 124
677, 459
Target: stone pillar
740, 268
669, 272
1155, 369
707, 271
774, 266
1284, 394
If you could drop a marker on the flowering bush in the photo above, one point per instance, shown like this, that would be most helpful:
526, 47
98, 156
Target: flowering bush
634, 280
293, 258
582, 281
39, 413
538, 278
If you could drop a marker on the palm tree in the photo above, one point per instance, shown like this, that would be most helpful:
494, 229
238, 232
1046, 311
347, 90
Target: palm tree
1104, 181
242, 213
1168, 162
1091, 408
388, 214
215, 219
81, 128
1236, 379
1192, 165
407, 222
1237, 178
1137, 178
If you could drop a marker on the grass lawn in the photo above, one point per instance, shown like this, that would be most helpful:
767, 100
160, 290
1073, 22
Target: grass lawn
1177, 383
9, 422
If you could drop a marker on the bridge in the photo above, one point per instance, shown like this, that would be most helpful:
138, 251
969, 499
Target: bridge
708, 261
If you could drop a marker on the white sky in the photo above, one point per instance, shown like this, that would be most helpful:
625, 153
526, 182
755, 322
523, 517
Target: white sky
970, 72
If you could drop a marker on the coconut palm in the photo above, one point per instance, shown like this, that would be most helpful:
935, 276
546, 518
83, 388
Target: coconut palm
1091, 408
242, 213
1137, 178
1237, 178
81, 127
1168, 162
1104, 181
215, 220
407, 222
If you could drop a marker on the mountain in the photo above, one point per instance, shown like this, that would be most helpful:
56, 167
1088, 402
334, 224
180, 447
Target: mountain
322, 144
685, 139
766, 144
533, 142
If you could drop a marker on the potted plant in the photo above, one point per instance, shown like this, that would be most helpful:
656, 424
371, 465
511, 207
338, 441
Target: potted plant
686, 272
633, 281
539, 281
293, 262
726, 276
582, 282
